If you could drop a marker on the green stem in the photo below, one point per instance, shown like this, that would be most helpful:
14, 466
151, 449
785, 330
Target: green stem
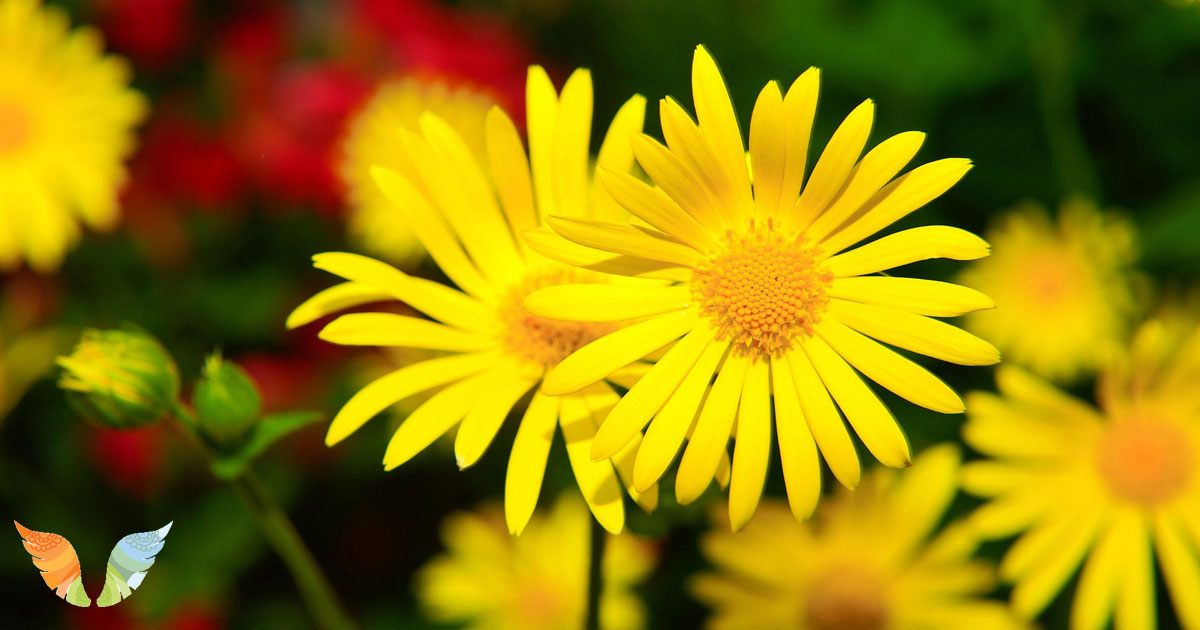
281, 534
595, 583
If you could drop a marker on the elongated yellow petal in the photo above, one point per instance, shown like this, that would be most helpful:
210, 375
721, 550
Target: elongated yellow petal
1136, 606
797, 451
824, 421
572, 134
541, 114
712, 432
1011, 513
653, 206
436, 300
645, 399
724, 470
604, 355
433, 419
905, 194
616, 155
510, 171
799, 111
670, 426
898, 374
600, 399
389, 329
555, 247
1031, 595
752, 449
913, 295
527, 462
908, 246
1050, 532
714, 112
481, 423
917, 333
1100, 580
629, 375
606, 302
920, 497
877, 168
402, 383
835, 163
768, 150
1181, 565
625, 239
597, 480
334, 299
686, 187
697, 152
871, 420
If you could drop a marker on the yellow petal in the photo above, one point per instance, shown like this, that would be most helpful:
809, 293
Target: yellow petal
332, 300
871, 420
712, 431
606, 302
510, 171
1035, 591
768, 149
625, 239
433, 419
541, 107
645, 399
389, 329
922, 494
481, 423
555, 247
824, 421
898, 374
597, 480
697, 152
919, 334
1101, 577
653, 206
835, 163
714, 112
527, 462
1181, 566
799, 111
752, 448
1136, 605
616, 155
402, 383
600, 399
908, 246
912, 295
572, 134
601, 357
797, 451
686, 187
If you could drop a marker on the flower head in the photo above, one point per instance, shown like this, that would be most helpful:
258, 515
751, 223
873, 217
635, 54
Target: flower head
1107, 488
468, 210
535, 582
120, 378
865, 562
763, 294
1070, 276
227, 402
66, 115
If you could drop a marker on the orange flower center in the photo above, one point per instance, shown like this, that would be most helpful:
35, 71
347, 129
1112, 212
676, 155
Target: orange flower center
762, 289
846, 599
15, 128
1146, 461
540, 340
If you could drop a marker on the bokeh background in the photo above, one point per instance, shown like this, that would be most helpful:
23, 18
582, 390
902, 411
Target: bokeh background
233, 188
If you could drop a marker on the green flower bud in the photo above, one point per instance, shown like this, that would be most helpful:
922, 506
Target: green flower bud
226, 400
120, 378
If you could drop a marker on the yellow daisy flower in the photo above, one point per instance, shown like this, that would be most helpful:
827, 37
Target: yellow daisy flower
865, 562
494, 351
1071, 277
1108, 488
66, 119
765, 296
373, 139
488, 579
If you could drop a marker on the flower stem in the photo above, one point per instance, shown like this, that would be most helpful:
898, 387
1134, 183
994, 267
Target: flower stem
281, 534
595, 583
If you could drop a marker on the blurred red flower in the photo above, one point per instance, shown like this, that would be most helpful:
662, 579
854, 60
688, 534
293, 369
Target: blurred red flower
153, 33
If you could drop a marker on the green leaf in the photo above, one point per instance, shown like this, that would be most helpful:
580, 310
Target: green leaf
266, 432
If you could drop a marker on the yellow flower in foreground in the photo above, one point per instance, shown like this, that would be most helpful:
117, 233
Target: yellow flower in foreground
374, 139
488, 579
66, 115
764, 297
863, 563
1071, 278
1107, 488
494, 350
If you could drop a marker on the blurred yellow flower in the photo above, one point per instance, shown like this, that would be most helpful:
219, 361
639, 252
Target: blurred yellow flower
374, 139
865, 562
494, 352
764, 296
538, 581
66, 118
1108, 488
1062, 289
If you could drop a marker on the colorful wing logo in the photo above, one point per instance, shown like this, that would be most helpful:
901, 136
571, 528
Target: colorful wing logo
54, 556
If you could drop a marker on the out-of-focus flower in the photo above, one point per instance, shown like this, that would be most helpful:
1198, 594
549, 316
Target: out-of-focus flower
226, 400
538, 581
495, 350
1108, 488
153, 33
1063, 289
375, 139
865, 562
132, 460
66, 119
764, 295
120, 378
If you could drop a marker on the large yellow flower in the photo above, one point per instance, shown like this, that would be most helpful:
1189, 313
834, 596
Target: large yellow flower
765, 296
865, 562
488, 579
66, 116
495, 351
1107, 488
374, 140
1071, 278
